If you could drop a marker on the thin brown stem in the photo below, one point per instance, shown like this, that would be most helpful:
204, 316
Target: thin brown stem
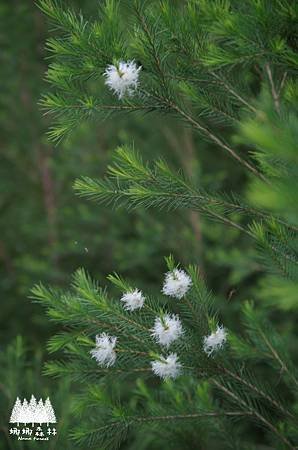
228, 221
110, 108
275, 95
276, 356
283, 80
217, 141
136, 324
193, 416
233, 92
251, 210
110, 369
202, 208
135, 352
113, 327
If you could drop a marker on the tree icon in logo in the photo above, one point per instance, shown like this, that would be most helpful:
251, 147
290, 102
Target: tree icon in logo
16, 412
32, 412
51, 418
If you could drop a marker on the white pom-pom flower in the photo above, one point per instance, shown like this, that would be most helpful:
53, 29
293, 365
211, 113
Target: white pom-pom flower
167, 329
104, 352
133, 300
176, 283
167, 367
123, 78
215, 341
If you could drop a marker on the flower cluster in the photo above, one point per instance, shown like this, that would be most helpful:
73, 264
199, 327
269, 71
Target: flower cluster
167, 329
123, 78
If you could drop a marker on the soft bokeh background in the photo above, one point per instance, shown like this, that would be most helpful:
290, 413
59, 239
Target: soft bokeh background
46, 232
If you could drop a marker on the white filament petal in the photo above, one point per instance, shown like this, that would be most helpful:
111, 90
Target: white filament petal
133, 300
176, 283
123, 78
167, 329
215, 341
104, 352
167, 367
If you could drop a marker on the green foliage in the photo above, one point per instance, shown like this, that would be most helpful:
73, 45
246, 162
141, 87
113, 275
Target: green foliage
226, 70
82, 55
134, 184
86, 309
184, 71
46, 232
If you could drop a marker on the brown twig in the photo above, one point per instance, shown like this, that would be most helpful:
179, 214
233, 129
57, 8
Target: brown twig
218, 141
233, 92
283, 80
276, 356
193, 416
275, 95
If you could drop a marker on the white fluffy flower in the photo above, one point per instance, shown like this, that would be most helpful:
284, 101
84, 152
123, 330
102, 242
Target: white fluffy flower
176, 283
133, 300
167, 329
104, 352
215, 340
167, 367
123, 78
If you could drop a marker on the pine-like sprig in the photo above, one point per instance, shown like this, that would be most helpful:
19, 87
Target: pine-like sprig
88, 310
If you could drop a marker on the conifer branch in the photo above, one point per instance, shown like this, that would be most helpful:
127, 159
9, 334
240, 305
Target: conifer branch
193, 416
185, 115
133, 421
152, 46
277, 357
219, 78
206, 132
256, 389
233, 92
255, 413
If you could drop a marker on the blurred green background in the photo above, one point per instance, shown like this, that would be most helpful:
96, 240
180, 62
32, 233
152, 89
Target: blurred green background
46, 232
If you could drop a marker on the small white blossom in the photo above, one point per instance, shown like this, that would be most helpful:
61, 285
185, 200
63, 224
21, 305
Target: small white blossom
123, 78
215, 340
133, 300
167, 329
176, 283
167, 367
104, 352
